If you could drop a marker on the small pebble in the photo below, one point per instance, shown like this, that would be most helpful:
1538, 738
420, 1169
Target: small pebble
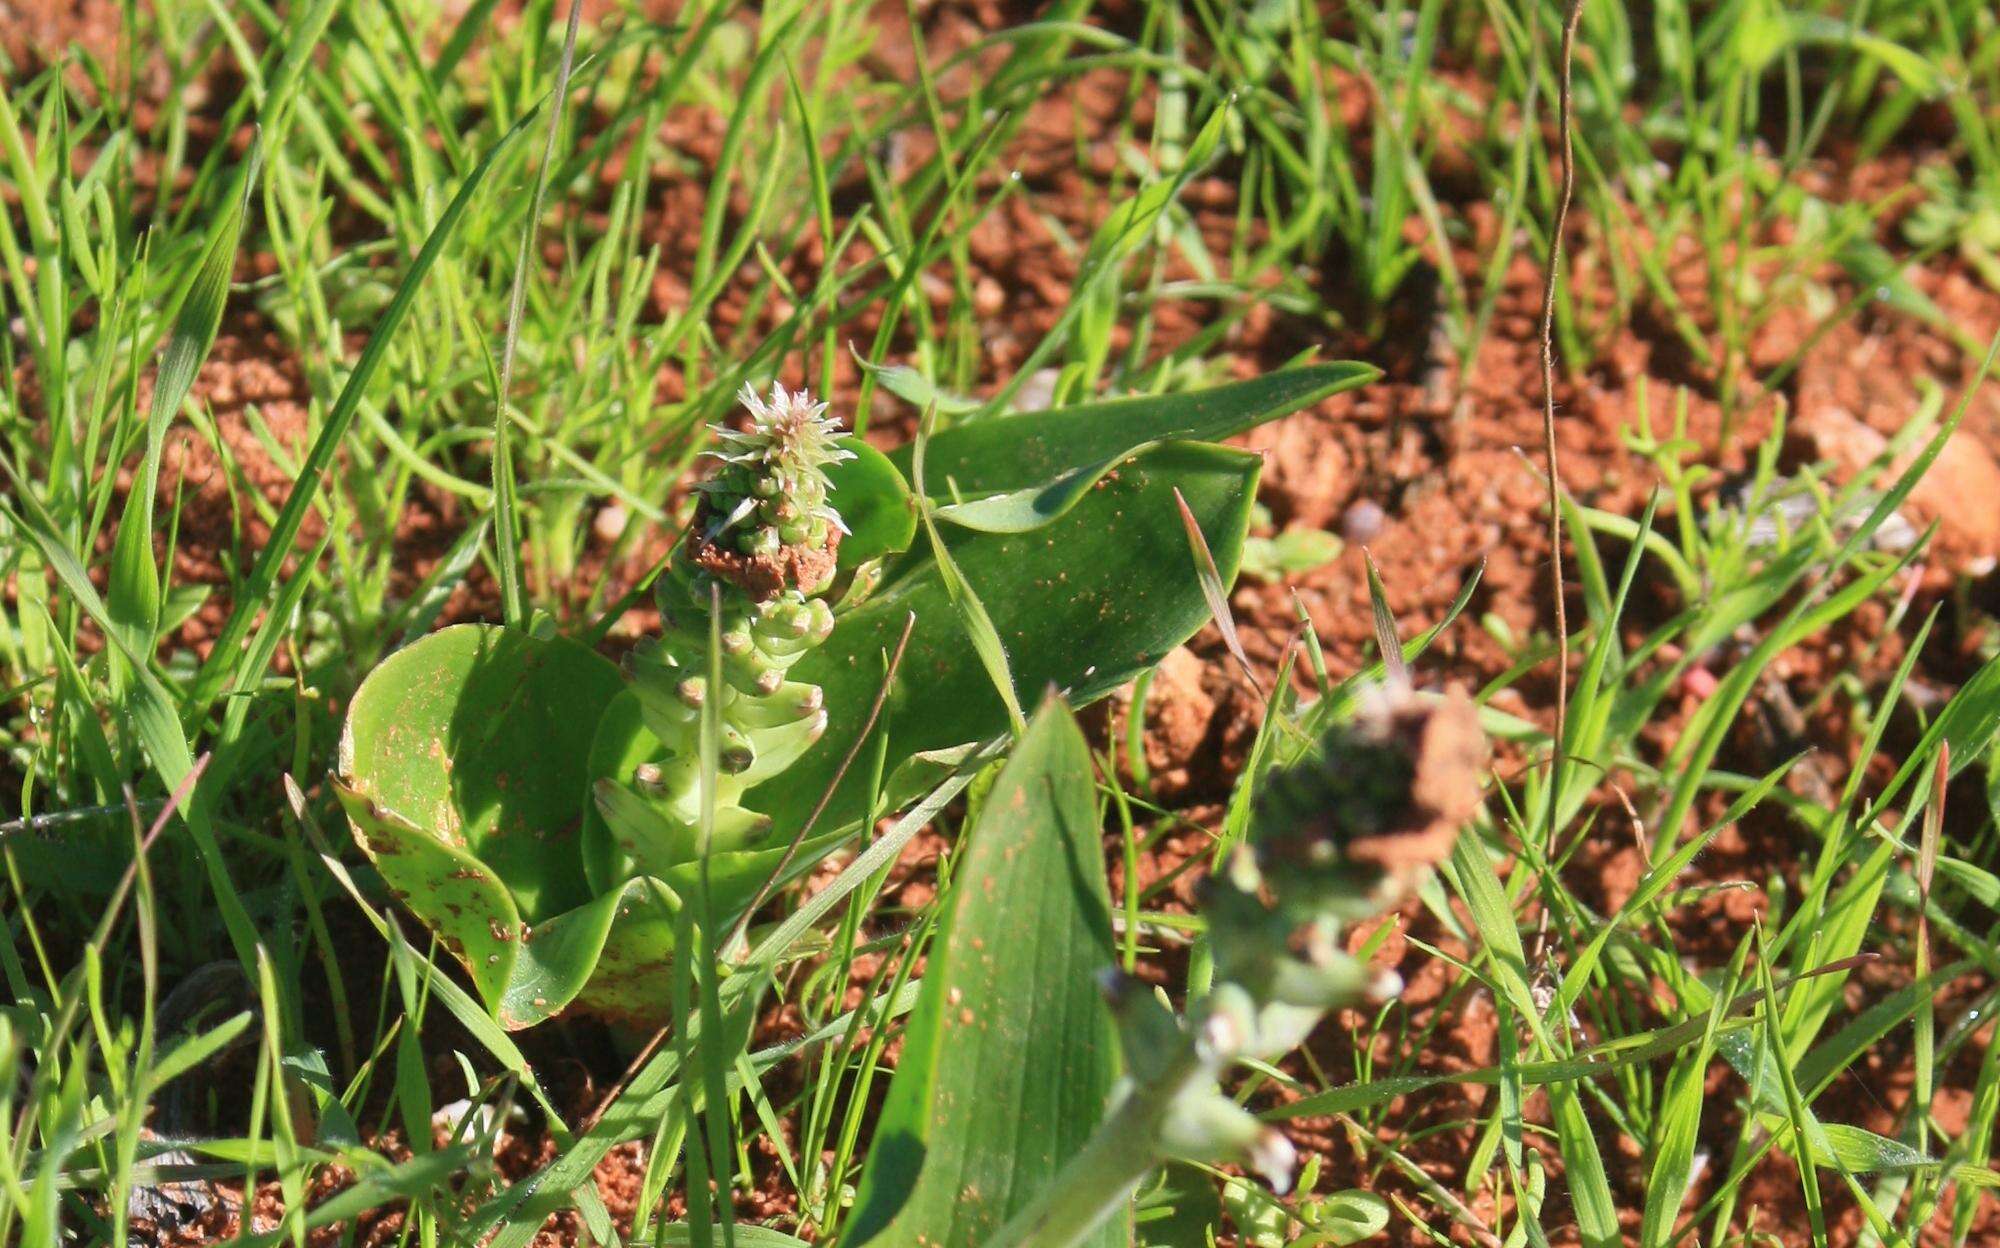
1038, 391
1364, 519
609, 522
1699, 683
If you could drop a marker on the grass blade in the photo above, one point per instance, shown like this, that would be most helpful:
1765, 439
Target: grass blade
254, 595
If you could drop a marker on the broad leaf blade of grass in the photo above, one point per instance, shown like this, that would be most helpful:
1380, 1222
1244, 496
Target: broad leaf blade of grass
1385, 625
1215, 591
1008, 1062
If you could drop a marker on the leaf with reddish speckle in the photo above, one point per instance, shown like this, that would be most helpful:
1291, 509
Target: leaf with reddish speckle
1010, 1057
1037, 452
462, 769
1083, 605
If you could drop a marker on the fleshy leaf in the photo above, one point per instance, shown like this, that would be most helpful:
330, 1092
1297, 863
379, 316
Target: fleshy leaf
873, 501
480, 735
1009, 1060
462, 768
621, 745
452, 891
1083, 604
1030, 450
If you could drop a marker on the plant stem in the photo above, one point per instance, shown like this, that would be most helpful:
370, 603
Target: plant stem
1112, 1164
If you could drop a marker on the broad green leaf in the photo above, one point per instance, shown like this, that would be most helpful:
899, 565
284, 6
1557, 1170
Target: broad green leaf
1009, 1060
480, 734
973, 618
462, 768
1031, 450
450, 889
1084, 604
873, 501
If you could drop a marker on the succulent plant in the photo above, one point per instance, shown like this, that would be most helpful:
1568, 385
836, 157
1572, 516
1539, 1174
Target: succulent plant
763, 549
540, 809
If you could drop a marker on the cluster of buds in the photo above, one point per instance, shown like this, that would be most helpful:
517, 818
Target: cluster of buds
1340, 834
765, 524
763, 543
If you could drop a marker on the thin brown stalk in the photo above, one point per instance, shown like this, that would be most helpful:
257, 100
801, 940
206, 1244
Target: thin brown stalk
1571, 18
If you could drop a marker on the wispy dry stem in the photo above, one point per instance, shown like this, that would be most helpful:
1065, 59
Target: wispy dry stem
1571, 18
